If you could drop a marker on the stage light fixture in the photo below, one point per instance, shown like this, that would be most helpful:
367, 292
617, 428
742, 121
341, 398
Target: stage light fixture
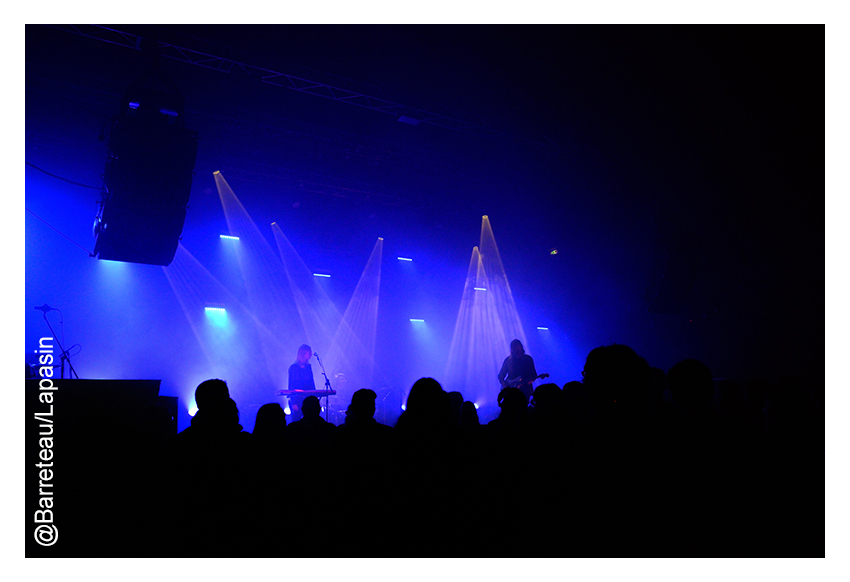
228, 237
479, 288
543, 328
405, 259
216, 316
418, 320
321, 275
287, 410
193, 411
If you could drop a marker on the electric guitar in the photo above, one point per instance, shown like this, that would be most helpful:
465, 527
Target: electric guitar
518, 381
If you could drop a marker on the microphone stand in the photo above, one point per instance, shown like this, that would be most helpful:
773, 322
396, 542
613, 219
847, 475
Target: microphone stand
65, 356
327, 387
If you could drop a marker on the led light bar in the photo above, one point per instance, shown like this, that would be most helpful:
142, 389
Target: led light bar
405, 259
228, 237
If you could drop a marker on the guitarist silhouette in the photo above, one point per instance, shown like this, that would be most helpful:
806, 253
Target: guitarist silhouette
518, 370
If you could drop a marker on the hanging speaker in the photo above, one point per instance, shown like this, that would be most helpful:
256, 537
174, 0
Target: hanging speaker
148, 178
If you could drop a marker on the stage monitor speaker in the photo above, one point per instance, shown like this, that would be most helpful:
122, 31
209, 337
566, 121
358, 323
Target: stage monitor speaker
86, 471
148, 179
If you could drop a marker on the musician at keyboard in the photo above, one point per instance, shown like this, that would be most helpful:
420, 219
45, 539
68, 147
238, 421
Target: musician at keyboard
300, 378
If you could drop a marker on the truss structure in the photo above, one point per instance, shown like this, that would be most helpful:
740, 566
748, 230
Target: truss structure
319, 89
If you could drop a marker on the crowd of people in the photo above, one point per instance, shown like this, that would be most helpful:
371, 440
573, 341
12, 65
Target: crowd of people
630, 461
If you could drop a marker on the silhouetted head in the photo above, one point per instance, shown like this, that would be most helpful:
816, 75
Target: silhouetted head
615, 373
427, 402
573, 387
218, 416
516, 348
691, 385
210, 391
426, 394
469, 415
311, 407
455, 402
547, 397
305, 352
512, 400
363, 403
575, 402
271, 420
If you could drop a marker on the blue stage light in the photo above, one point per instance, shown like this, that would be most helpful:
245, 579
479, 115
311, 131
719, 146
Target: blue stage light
479, 288
287, 411
544, 328
405, 259
320, 275
404, 407
228, 237
418, 320
193, 411
216, 316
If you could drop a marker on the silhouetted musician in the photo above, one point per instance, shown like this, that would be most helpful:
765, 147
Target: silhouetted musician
300, 378
518, 370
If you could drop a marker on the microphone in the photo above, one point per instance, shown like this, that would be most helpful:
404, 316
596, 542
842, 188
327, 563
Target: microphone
45, 308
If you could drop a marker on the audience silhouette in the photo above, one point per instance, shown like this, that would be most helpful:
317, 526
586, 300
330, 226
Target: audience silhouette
455, 403
631, 460
310, 439
469, 417
213, 466
270, 425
